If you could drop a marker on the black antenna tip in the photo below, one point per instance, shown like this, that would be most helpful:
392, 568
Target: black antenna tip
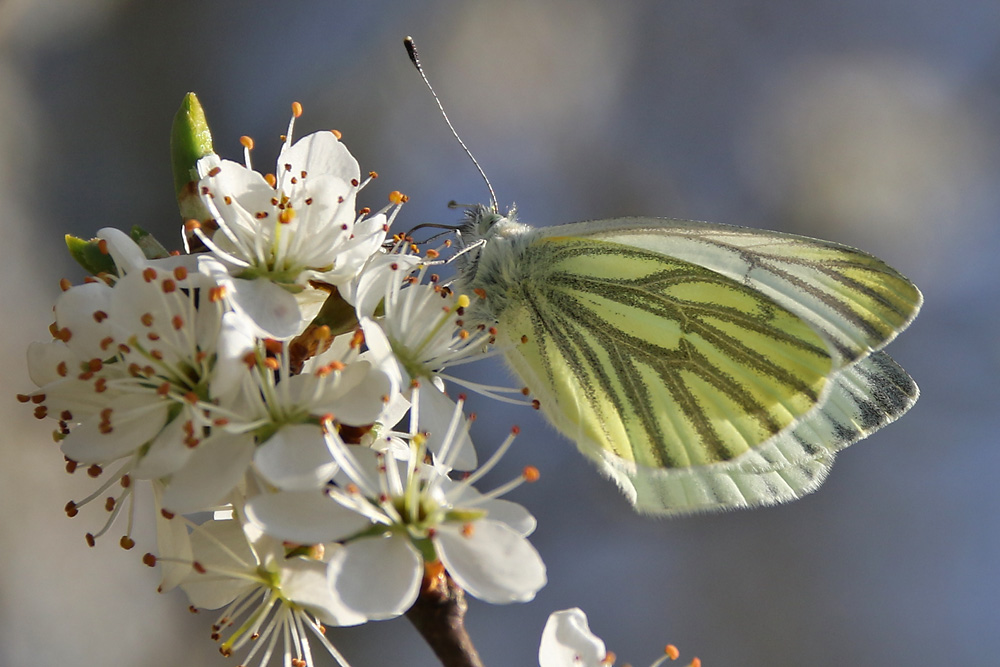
411, 50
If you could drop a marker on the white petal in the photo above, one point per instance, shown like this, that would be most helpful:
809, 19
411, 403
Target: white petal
510, 513
216, 467
219, 546
135, 420
320, 153
363, 403
79, 310
272, 308
45, 359
436, 412
296, 458
173, 544
305, 582
127, 255
568, 642
379, 577
166, 454
304, 517
233, 344
493, 563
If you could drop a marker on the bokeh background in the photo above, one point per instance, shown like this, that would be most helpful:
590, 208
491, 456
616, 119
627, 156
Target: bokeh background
870, 123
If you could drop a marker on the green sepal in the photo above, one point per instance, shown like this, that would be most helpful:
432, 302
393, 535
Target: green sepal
151, 248
88, 255
426, 549
190, 140
337, 314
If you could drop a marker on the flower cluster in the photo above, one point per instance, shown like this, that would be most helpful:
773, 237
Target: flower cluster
282, 388
284, 377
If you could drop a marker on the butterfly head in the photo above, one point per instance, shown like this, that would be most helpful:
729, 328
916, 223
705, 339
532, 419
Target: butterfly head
482, 222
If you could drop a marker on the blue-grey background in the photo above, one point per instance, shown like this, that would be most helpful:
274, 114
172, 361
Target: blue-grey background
870, 123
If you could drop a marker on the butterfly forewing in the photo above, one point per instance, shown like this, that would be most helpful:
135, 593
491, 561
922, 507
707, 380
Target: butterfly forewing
856, 301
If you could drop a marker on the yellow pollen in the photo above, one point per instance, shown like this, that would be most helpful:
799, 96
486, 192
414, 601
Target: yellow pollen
462, 301
286, 216
397, 197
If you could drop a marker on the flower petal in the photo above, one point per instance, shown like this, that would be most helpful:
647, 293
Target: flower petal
491, 561
568, 642
304, 517
378, 577
216, 467
296, 458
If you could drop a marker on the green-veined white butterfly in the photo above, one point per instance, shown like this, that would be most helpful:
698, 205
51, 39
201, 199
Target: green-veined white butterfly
702, 366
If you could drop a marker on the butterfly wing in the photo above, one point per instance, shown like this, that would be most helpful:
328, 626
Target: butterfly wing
856, 301
725, 375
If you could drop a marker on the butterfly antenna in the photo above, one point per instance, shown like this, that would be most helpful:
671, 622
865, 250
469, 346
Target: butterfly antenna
411, 49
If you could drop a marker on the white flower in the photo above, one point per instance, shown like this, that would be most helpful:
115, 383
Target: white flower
278, 233
423, 330
340, 384
568, 642
396, 516
275, 593
141, 374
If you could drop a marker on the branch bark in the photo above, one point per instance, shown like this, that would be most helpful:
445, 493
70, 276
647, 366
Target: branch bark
439, 616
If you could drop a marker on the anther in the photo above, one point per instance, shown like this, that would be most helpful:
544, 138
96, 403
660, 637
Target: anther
91, 541
149, 559
672, 652
246, 142
126, 542
102, 246
296, 109
338, 134
530, 474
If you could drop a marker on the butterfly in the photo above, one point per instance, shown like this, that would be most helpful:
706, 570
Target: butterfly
701, 366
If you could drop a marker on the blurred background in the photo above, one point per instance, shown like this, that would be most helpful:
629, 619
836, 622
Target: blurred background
872, 124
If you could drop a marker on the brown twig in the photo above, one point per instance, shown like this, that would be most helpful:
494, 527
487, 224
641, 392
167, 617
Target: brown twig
439, 616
